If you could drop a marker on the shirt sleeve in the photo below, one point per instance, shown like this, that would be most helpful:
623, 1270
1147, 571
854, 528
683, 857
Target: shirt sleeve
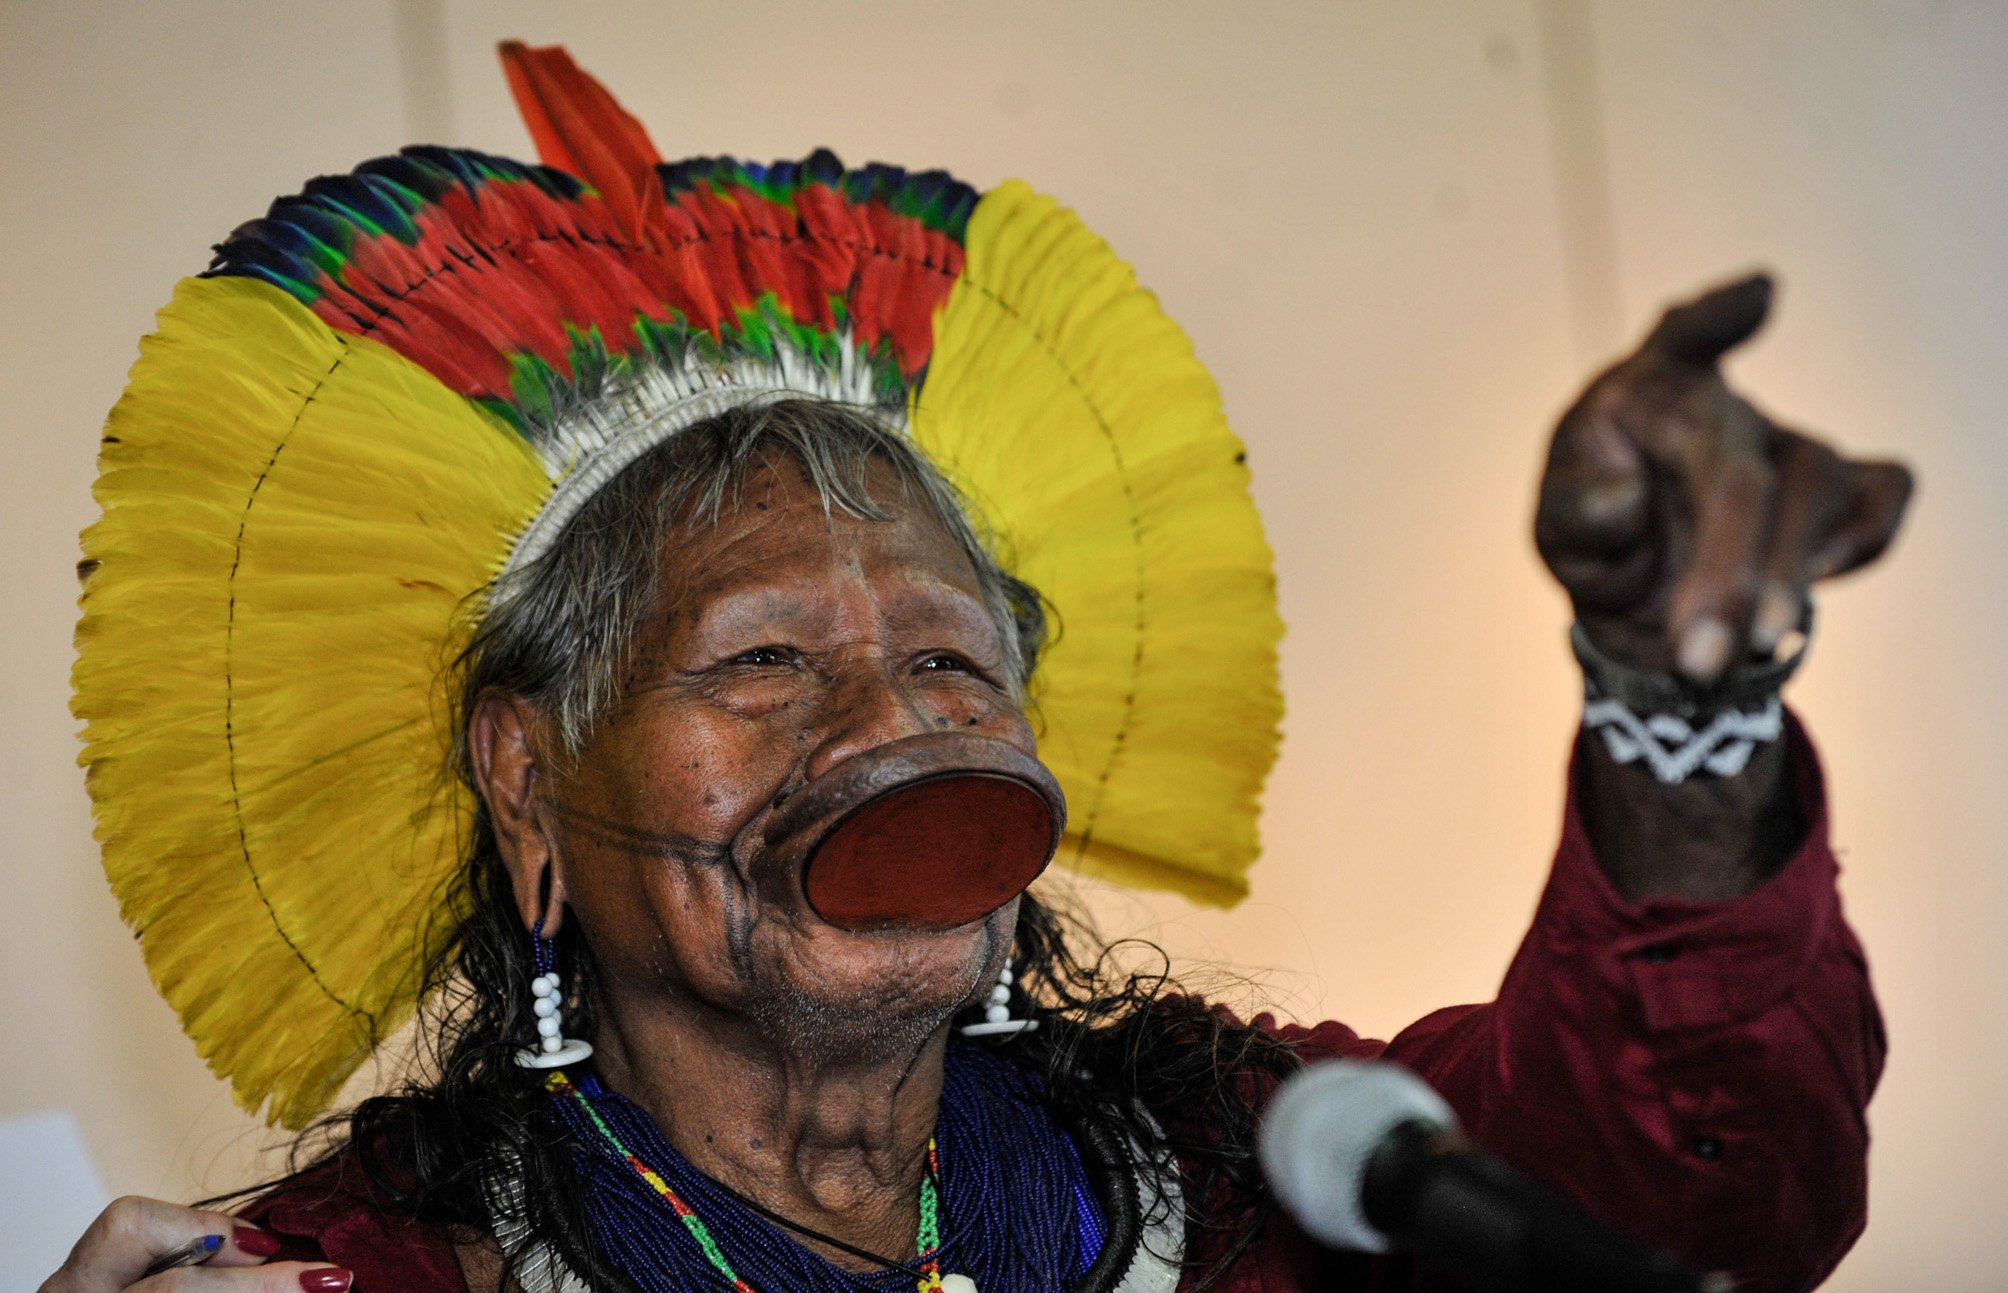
1697, 1073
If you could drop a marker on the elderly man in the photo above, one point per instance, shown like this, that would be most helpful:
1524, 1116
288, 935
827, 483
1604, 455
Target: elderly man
699, 476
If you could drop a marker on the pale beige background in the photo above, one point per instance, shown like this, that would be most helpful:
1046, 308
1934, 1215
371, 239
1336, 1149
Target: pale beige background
1400, 233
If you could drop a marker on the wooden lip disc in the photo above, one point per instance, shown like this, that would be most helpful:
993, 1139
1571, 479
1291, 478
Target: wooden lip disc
941, 852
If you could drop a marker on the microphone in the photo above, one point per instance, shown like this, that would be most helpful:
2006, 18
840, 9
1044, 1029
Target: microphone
1366, 1156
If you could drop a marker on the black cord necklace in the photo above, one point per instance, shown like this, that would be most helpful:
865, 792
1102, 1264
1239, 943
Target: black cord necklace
1021, 1188
810, 1232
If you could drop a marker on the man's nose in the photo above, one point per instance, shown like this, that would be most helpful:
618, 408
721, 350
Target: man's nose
866, 705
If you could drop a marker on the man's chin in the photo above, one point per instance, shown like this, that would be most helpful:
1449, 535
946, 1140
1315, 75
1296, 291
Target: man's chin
876, 987
823, 1029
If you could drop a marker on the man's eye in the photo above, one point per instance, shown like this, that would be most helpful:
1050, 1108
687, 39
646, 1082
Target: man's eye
945, 663
766, 655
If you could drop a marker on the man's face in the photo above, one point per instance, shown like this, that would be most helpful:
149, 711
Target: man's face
785, 642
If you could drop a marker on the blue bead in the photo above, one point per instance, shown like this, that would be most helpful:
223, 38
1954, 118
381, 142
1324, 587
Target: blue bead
1016, 1209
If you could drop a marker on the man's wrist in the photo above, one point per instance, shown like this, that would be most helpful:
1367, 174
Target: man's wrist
1675, 728
1710, 839
1682, 786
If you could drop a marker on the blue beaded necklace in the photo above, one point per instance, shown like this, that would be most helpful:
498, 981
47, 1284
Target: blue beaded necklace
1014, 1208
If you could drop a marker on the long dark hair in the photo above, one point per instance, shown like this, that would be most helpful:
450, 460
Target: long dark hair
1124, 1054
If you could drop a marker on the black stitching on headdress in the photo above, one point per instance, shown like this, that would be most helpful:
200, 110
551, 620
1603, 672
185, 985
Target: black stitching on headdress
1087, 828
230, 691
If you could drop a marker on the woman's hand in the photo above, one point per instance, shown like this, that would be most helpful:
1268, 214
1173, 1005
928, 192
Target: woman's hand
133, 1233
1688, 527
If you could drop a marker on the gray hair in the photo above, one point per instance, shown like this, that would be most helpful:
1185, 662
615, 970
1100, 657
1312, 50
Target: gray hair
561, 627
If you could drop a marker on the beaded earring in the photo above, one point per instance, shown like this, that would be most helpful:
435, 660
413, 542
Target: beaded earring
997, 1017
553, 1048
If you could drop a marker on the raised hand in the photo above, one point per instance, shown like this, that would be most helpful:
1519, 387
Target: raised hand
1686, 525
133, 1233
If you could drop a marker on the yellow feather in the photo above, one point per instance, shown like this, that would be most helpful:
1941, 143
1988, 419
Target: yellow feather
259, 664
264, 636
1072, 411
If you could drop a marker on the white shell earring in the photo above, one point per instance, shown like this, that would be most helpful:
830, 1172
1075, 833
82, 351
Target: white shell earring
997, 1017
553, 1048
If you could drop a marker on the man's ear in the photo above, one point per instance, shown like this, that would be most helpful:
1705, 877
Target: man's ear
502, 745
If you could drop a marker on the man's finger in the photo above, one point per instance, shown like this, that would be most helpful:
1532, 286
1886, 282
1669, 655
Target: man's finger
1593, 501
1814, 489
1712, 603
1592, 522
1878, 499
1701, 331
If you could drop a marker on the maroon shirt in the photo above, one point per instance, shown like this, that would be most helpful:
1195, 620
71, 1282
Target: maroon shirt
1696, 1072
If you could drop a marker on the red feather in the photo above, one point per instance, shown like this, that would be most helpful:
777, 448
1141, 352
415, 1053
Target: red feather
579, 127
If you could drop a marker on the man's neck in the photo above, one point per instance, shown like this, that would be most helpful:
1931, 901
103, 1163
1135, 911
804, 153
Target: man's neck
836, 1143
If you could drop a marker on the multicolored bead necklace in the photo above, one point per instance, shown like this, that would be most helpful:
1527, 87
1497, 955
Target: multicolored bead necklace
1013, 1204
927, 1242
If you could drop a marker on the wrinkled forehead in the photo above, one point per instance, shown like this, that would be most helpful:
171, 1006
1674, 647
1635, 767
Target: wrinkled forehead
775, 531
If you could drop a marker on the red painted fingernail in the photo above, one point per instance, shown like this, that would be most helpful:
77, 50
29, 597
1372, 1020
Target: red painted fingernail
328, 1279
254, 1243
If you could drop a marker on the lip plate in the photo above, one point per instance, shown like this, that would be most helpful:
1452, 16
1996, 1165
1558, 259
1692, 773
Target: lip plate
939, 851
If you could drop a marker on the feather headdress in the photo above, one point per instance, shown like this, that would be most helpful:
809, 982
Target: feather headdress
405, 378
